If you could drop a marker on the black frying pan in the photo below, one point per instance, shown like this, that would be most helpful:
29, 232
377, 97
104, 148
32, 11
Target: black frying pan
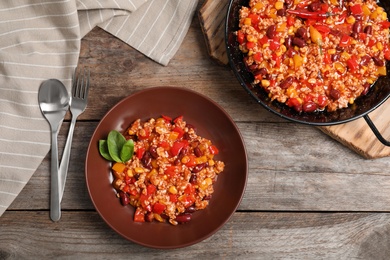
362, 106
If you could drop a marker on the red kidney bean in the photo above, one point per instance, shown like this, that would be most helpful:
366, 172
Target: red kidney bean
378, 61
301, 33
354, 35
153, 151
334, 94
287, 82
288, 42
190, 209
367, 87
186, 136
197, 168
124, 198
262, 71
281, 12
335, 57
183, 218
365, 60
208, 197
146, 160
198, 152
193, 179
288, 3
271, 31
357, 27
309, 106
183, 152
290, 52
368, 29
298, 42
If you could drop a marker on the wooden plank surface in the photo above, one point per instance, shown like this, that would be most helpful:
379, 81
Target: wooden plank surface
356, 135
307, 196
276, 236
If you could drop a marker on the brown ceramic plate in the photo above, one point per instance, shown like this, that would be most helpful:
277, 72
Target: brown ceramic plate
211, 122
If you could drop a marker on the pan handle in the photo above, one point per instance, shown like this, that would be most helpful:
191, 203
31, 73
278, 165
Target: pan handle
376, 131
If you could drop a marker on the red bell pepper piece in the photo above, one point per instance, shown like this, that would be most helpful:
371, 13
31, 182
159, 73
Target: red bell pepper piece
159, 208
345, 40
172, 171
139, 215
167, 118
250, 45
257, 57
356, 9
177, 146
213, 149
255, 18
178, 130
192, 161
353, 64
151, 189
385, 25
240, 37
140, 152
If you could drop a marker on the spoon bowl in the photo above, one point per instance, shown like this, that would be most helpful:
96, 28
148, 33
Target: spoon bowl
53, 100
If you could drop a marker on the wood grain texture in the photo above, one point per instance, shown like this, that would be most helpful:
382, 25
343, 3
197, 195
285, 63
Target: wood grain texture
83, 235
356, 135
307, 196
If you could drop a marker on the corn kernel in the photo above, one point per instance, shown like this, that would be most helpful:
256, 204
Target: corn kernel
332, 51
130, 173
185, 159
152, 172
258, 5
201, 159
139, 169
351, 100
291, 92
251, 38
265, 83
379, 45
339, 67
211, 162
172, 190
345, 55
384, 16
205, 183
158, 217
379, 10
279, 5
350, 19
247, 21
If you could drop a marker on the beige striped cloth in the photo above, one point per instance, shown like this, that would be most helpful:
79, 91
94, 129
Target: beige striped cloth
40, 39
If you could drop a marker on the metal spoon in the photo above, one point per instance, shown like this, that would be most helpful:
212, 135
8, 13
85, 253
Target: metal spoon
53, 100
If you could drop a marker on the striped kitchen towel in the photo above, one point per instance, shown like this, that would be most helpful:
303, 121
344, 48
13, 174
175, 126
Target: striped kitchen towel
40, 39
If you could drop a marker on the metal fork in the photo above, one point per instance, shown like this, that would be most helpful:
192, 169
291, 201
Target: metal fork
77, 106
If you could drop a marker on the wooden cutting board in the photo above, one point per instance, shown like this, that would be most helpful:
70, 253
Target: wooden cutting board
356, 135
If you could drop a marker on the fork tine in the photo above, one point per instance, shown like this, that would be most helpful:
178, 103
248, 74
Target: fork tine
86, 85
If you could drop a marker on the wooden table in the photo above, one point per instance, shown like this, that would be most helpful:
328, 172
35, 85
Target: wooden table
307, 197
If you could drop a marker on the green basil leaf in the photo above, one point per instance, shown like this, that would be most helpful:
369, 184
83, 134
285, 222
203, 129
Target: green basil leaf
103, 149
127, 150
115, 142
